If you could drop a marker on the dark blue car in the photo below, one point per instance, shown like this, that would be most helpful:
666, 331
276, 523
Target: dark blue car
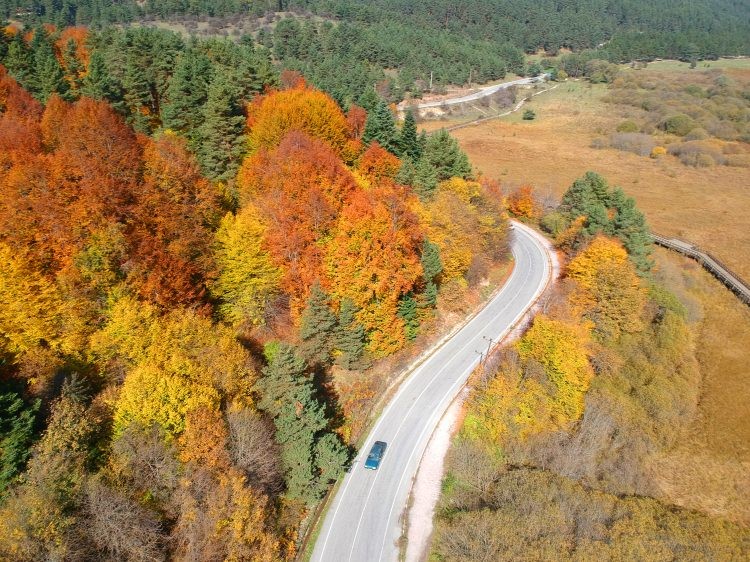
376, 455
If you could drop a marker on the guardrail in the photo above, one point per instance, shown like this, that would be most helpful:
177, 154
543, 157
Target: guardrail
731, 280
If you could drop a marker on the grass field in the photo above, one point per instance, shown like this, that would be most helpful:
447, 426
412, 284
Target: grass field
710, 470
708, 206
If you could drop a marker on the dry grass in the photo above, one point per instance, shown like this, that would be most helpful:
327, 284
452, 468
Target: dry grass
708, 206
710, 470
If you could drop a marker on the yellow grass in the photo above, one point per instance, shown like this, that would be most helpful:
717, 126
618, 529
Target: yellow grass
710, 469
708, 206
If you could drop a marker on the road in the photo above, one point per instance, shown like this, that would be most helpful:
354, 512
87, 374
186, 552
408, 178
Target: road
485, 91
363, 522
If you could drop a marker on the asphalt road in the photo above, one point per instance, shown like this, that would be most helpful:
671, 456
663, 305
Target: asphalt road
485, 91
363, 523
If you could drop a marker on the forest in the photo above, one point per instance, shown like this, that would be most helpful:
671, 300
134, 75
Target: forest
557, 453
450, 41
202, 265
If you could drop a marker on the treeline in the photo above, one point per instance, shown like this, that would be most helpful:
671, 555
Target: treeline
556, 455
188, 341
436, 43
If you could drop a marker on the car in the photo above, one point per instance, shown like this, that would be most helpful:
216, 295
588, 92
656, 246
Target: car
376, 455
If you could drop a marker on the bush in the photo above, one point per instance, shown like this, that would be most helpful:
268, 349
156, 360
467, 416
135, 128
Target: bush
628, 127
658, 152
529, 115
697, 134
679, 124
697, 153
637, 143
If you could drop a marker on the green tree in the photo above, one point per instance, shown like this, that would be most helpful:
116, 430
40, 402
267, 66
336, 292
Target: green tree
425, 180
408, 310
16, 432
408, 141
350, 338
99, 84
48, 77
629, 225
432, 266
221, 136
74, 69
20, 61
186, 94
381, 127
317, 327
446, 157
311, 455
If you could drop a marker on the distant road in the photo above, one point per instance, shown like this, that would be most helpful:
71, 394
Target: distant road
483, 92
363, 522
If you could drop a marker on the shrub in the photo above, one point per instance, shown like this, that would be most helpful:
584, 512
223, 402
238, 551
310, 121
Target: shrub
628, 127
658, 152
529, 115
637, 143
697, 153
697, 134
679, 124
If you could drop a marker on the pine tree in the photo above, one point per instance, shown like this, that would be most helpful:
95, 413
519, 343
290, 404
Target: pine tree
221, 140
317, 327
20, 61
425, 179
312, 456
432, 265
350, 338
408, 141
408, 311
16, 432
137, 97
99, 84
186, 94
629, 225
73, 68
368, 100
406, 172
446, 157
381, 127
48, 76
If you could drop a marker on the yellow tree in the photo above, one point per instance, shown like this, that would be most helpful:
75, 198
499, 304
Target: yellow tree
561, 350
608, 290
247, 277
32, 309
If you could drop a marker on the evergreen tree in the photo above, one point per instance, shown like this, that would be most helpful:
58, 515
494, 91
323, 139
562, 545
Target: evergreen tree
381, 127
221, 141
432, 265
99, 84
20, 61
16, 432
629, 225
408, 140
446, 157
409, 312
317, 327
73, 68
311, 455
425, 179
186, 94
369, 99
48, 76
588, 196
406, 173
350, 338
137, 96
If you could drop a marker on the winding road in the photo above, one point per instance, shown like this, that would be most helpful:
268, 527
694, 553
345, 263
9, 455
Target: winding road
482, 92
363, 522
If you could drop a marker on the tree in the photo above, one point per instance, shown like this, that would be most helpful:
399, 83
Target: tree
247, 278
99, 84
522, 203
425, 180
74, 69
529, 115
629, 225
608, 289
48, 75
221, 141
446, 157
16, 433
408, 142
311, 455
381, 127
349, 339
317, 327
187, 92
